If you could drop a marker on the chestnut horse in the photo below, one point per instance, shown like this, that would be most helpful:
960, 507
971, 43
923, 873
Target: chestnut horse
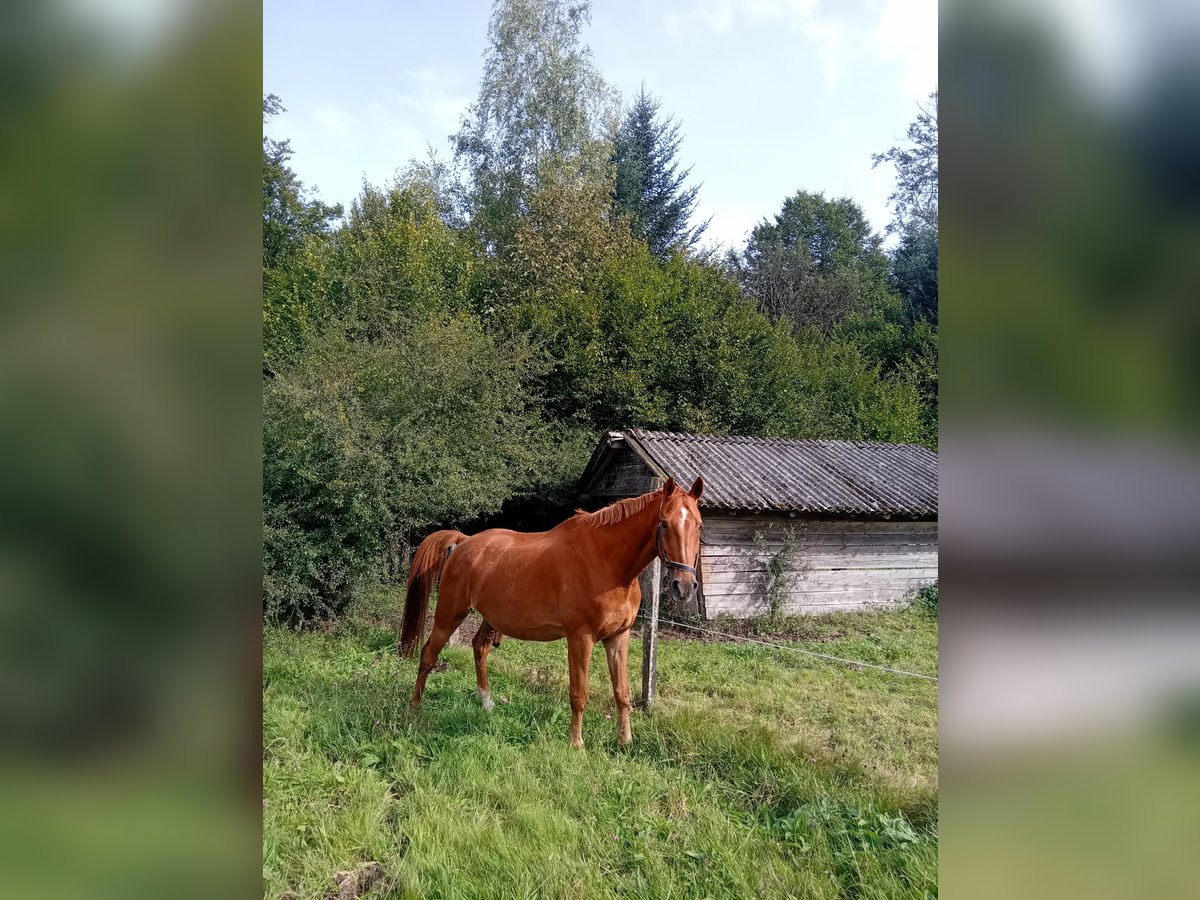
578, 581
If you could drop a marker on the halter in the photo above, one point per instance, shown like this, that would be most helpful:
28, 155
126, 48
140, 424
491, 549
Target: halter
662, 553
671, 564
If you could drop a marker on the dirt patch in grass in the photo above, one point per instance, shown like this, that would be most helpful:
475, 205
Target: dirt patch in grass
356, 882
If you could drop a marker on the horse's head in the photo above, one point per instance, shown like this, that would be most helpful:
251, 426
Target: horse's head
678, 536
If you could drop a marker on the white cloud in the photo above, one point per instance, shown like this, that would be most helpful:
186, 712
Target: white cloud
831, 50
720, 15
907, 36
333, 123
840, 33
825, 33
431, 93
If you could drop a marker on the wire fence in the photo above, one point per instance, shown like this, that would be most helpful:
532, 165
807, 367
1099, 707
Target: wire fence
853, 663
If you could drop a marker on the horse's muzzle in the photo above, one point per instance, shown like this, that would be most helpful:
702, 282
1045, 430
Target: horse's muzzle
683, 585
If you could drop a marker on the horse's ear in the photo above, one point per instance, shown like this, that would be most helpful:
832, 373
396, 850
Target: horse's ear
697, 487
669, 487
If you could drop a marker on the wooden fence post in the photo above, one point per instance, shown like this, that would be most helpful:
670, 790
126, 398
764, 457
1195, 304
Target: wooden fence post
650, 633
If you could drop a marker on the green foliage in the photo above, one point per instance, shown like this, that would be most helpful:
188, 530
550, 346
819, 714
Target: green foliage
905, 351
288, 215
847, 829
846, 396
368, 444
783, 570
398, 261
925, 601
816, 264
298, 299
295, 251
675, 345
394, 261
915, 271
649, 187
915, 199
830, 234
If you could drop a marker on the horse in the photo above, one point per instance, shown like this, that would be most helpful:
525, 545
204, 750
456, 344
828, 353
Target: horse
577, 581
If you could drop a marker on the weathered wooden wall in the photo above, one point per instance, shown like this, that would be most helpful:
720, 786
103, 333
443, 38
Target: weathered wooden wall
829, 564
628, 476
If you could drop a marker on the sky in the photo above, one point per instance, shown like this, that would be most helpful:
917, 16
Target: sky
772, 96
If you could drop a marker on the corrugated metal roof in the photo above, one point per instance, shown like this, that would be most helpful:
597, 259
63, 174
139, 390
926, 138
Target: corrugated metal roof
845, 477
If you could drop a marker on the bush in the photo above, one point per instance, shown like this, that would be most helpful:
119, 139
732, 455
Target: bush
925, 601
367, 445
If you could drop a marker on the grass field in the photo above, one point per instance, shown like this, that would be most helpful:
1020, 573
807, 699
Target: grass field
759, 773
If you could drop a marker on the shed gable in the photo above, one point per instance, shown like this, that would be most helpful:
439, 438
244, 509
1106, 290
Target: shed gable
624, 474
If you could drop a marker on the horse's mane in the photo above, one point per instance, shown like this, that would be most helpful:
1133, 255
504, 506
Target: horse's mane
616, 512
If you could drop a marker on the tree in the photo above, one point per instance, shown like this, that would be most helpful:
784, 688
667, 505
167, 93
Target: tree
915, 271
296, 250
914, 203
632, 341
831, 234
649, 186
915, 199
288, 214
541, 99
901, 348
843, 394
398, 261
816, 263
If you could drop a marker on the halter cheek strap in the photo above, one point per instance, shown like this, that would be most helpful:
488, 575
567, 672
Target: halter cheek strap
668, 564
662, 553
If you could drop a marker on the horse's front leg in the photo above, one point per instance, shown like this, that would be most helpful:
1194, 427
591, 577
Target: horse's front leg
579, 659
617, 649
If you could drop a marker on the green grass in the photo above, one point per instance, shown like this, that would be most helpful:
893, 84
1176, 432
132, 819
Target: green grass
759, 773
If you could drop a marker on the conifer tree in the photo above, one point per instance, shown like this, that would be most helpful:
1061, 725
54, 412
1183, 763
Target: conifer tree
649, 186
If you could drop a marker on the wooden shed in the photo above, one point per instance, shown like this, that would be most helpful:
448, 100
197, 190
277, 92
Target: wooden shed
797, 526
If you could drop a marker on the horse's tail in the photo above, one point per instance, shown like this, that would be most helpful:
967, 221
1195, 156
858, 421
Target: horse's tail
426, 568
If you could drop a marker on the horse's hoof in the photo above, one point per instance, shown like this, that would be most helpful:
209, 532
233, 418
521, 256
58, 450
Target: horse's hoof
415, 703
486, 698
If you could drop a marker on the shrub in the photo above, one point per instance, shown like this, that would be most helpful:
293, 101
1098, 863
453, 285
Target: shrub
366, 445
925, 601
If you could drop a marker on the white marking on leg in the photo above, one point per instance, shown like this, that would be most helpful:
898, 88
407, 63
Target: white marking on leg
486, 697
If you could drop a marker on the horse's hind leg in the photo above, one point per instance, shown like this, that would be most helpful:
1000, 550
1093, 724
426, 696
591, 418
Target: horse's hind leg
446, 620
579, 658
485, 638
